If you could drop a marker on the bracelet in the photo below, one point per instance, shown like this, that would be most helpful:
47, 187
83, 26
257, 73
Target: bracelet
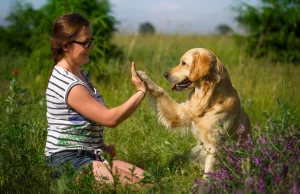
142, 91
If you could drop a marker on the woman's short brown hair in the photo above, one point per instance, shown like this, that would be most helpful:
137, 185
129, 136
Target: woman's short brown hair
65, 29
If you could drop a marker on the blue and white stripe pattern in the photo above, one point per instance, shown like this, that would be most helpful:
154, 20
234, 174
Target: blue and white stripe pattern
67, 129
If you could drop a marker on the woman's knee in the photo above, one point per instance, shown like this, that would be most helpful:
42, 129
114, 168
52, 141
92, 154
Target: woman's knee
102, 172
124, 168
125, 172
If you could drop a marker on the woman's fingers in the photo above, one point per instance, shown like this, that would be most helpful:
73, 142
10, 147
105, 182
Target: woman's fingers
136, 80
133, 72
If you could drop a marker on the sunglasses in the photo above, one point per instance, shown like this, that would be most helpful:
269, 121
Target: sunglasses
86, 44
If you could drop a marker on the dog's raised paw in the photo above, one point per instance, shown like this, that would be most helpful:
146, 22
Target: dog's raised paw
151, 86
149, 83
142, 75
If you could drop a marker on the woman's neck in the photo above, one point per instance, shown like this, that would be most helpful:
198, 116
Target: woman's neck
73, 68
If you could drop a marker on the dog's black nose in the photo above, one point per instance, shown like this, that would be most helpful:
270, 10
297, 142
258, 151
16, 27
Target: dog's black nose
166, 74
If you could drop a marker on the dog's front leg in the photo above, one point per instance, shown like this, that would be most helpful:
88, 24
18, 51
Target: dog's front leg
170, 113
210, 161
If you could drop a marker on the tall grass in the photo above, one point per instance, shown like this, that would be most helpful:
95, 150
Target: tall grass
141, 140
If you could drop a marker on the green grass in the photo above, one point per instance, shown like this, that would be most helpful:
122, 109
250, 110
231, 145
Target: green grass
140, 140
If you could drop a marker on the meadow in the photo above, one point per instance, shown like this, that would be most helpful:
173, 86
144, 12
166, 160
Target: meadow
269, 93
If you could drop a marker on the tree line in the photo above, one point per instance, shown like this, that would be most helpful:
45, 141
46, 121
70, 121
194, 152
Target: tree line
272, 28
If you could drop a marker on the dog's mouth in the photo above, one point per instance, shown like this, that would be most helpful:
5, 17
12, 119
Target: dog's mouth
181, 85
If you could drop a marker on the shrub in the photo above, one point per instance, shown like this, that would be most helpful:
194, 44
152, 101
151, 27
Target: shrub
146, 28
28, 31
22, 162
223, 29
273, 29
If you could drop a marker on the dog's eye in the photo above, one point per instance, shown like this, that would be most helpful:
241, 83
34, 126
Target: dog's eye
183, 63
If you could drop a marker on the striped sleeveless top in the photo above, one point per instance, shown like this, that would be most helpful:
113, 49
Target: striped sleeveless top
67, 129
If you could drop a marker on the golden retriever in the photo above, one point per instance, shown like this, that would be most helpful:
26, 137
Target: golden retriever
212, 105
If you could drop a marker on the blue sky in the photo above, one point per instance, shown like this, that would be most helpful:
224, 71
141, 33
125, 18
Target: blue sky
168, 16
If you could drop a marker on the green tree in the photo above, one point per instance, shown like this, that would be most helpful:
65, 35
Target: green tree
223, 29
273, 29
28, 31
21, 21
146, 28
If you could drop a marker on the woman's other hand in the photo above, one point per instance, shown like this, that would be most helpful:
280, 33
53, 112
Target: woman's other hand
110, 149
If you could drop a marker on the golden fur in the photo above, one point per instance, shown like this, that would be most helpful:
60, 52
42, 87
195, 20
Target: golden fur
212, 101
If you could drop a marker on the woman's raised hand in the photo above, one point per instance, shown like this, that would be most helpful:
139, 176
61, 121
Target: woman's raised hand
139, 84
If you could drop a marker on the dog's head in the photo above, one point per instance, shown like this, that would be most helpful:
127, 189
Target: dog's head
195, 65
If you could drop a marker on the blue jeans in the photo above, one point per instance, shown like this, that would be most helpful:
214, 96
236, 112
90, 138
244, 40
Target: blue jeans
74, 159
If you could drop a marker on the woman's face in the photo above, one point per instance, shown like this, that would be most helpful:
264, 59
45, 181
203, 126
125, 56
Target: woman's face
77, 53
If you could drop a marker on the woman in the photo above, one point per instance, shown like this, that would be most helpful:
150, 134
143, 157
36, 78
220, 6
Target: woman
76, 112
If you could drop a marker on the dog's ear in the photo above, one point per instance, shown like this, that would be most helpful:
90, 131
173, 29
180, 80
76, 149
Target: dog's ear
200, 66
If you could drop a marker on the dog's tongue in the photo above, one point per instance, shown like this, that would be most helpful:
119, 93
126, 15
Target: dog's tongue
173, 87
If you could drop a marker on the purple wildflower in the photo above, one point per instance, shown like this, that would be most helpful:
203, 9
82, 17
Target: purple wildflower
250, 183
239, 162
274, 163
241, 129
222, 136
270, 170
257, 161
295, 190
261, 186
289, 144
262, 140
230, 158
249, 143
277, 179
196, 181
